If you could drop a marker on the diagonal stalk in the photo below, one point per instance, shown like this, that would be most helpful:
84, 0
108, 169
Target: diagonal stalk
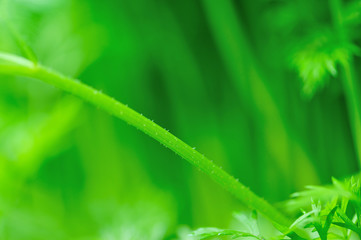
15, 65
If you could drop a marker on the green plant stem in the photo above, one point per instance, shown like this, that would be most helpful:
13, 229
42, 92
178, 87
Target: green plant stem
351, 88
15, 65
350, 84
249, 80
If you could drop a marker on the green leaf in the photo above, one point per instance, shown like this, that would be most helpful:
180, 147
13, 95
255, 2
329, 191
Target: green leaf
209, 233
26, 50
248, 222
317, 59
348, 224
329, 219
323, 231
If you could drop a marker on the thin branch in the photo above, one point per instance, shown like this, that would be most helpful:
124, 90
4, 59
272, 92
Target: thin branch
350, 83
15, 65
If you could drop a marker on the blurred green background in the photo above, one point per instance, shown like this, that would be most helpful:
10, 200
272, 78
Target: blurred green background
254, 85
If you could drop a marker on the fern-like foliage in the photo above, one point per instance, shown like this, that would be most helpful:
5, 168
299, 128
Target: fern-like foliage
334, 212
320, 47
336, 215
317, 59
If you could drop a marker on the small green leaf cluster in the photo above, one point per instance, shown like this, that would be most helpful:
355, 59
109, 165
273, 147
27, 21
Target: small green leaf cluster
335, 213
317, 60
317, 54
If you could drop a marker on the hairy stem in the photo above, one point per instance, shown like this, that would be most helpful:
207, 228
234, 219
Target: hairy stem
15, 65
350, 84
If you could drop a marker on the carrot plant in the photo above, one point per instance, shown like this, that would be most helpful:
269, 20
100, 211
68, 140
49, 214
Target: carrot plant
333, 213
280, 150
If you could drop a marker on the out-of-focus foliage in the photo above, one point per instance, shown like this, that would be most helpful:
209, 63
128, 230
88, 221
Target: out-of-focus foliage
318, 60
245, 226
228, 77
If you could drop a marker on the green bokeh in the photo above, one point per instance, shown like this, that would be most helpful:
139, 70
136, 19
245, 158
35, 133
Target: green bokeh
254, 85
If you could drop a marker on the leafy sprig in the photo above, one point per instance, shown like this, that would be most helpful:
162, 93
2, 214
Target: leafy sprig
334, 216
